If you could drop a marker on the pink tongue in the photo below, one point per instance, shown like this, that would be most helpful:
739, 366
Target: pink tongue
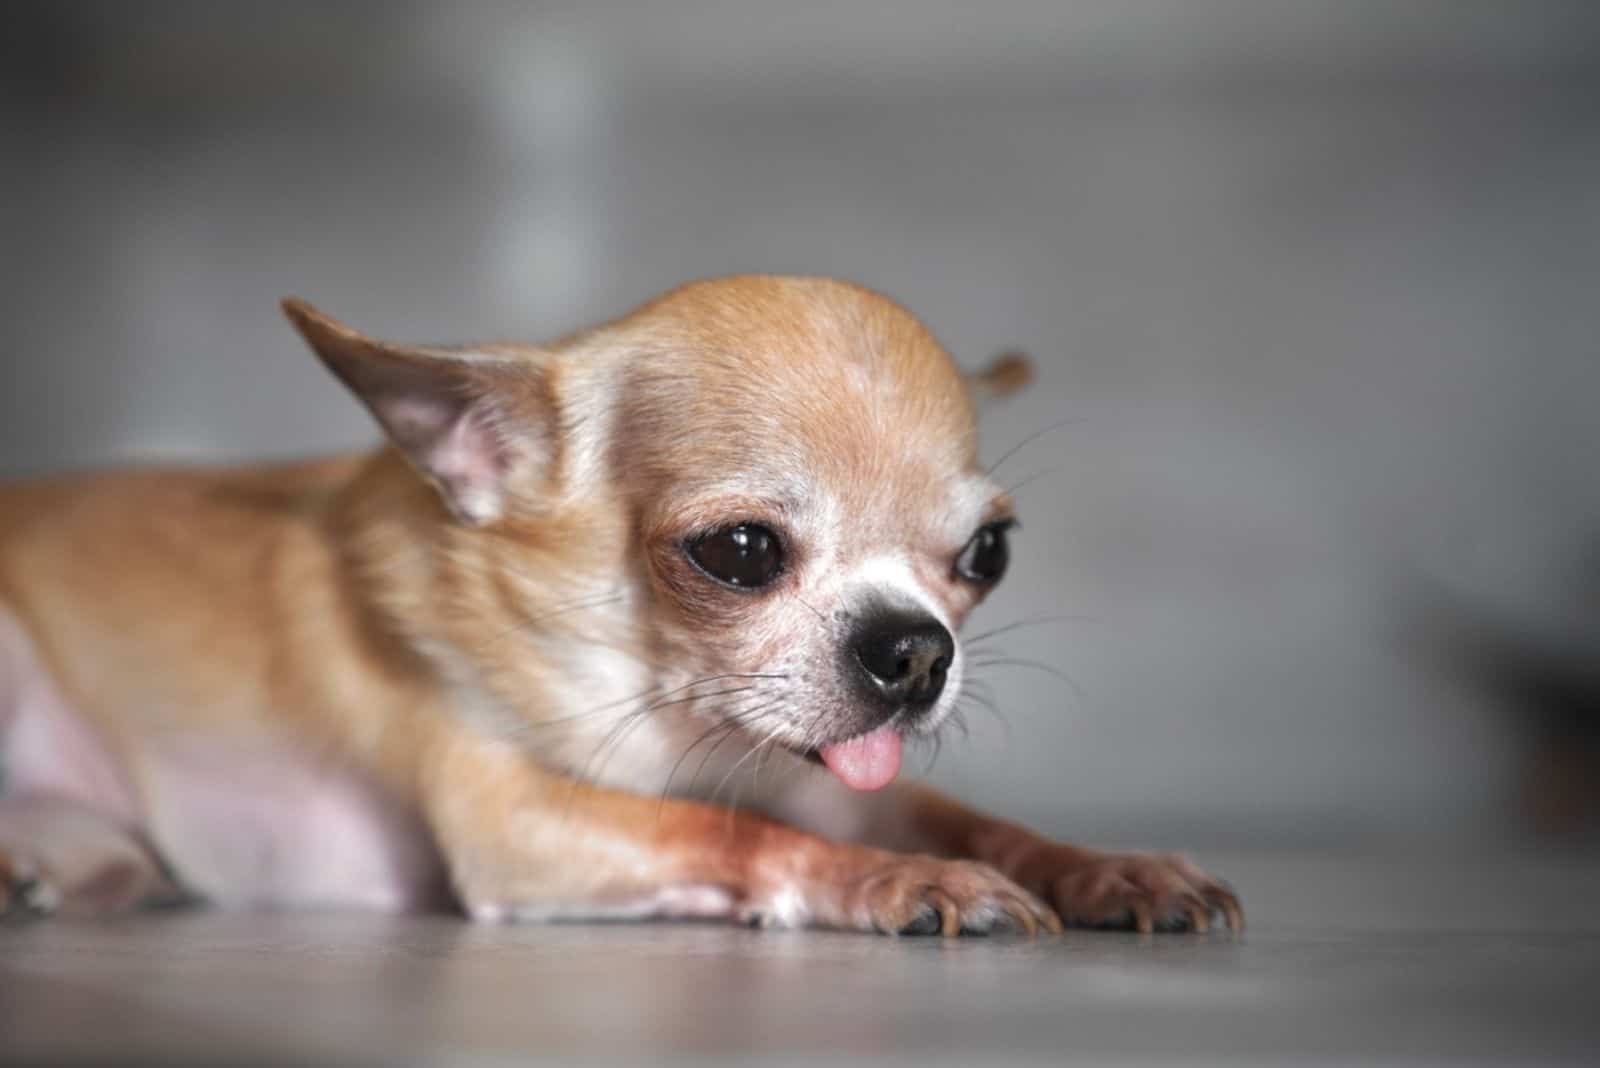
869, 762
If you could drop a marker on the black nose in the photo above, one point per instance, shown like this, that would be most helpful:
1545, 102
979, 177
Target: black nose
904, 657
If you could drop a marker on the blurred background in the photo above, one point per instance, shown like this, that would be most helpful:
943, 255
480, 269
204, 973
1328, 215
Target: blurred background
1316, 287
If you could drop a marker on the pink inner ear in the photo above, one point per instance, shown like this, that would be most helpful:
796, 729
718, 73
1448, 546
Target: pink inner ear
469, 463
412, 420
452, 441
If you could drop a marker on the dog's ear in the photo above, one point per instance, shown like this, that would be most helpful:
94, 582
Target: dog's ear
1006, 374
449, 411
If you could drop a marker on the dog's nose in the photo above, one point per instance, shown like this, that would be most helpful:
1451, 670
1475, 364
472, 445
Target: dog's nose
905, 658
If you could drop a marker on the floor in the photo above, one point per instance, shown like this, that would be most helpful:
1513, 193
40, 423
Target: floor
1482, 957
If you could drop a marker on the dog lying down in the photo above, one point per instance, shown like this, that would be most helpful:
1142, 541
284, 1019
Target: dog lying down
719, 548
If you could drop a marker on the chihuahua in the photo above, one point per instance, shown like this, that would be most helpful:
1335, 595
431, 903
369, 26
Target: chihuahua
717, 550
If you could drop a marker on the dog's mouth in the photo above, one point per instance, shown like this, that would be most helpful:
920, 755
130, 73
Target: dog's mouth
866, 762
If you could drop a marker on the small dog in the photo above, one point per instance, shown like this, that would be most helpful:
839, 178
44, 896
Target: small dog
511, 660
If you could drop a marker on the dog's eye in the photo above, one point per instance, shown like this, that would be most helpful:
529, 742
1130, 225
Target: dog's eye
985, 557
747, 556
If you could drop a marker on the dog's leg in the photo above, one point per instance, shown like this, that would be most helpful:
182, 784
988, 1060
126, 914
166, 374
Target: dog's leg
522, 843
64, 807
58, 855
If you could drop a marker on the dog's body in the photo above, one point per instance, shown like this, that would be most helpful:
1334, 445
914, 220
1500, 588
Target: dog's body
650, 567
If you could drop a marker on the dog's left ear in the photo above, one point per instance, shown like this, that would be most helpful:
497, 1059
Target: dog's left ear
1006, 374
456, 415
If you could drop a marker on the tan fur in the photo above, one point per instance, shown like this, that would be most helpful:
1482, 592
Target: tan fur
352, 611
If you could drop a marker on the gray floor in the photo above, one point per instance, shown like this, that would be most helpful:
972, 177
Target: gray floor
1480, 957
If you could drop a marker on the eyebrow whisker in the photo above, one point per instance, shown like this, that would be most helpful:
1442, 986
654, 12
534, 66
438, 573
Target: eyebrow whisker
1030, 439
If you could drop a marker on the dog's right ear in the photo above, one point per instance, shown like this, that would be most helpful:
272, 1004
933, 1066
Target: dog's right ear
449, 411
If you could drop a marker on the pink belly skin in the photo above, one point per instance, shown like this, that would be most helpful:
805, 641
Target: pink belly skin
244, 822
45, 747
264, 826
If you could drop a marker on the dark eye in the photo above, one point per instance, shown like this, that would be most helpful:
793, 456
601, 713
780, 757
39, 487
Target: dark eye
985, 557
747, 556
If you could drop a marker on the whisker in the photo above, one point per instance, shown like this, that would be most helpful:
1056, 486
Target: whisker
1036, 435
575, 606
738, 722
993, 710
1018, 661
654, 690
814, 612
755, 776
809, 732
610, 743
795, 767
985, 702
631, 721
666, 788
727, 724
1036, 476
634, 718
654, 705
1035, 621
758, 747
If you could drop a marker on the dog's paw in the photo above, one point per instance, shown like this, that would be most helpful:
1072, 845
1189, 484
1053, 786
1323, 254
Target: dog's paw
25, 893
919, 895
1135, 891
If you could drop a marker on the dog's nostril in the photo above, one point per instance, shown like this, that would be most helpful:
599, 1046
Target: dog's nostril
905, 657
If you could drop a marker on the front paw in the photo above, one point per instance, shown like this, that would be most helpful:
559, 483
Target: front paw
919, 895
1133, 891
24, 892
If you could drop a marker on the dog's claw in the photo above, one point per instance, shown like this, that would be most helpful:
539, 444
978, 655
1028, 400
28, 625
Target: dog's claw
1022, 915
948, 911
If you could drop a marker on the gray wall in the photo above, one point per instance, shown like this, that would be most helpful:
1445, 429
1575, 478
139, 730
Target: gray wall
1316, 284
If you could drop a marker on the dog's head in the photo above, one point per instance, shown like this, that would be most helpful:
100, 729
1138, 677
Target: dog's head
779, 475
